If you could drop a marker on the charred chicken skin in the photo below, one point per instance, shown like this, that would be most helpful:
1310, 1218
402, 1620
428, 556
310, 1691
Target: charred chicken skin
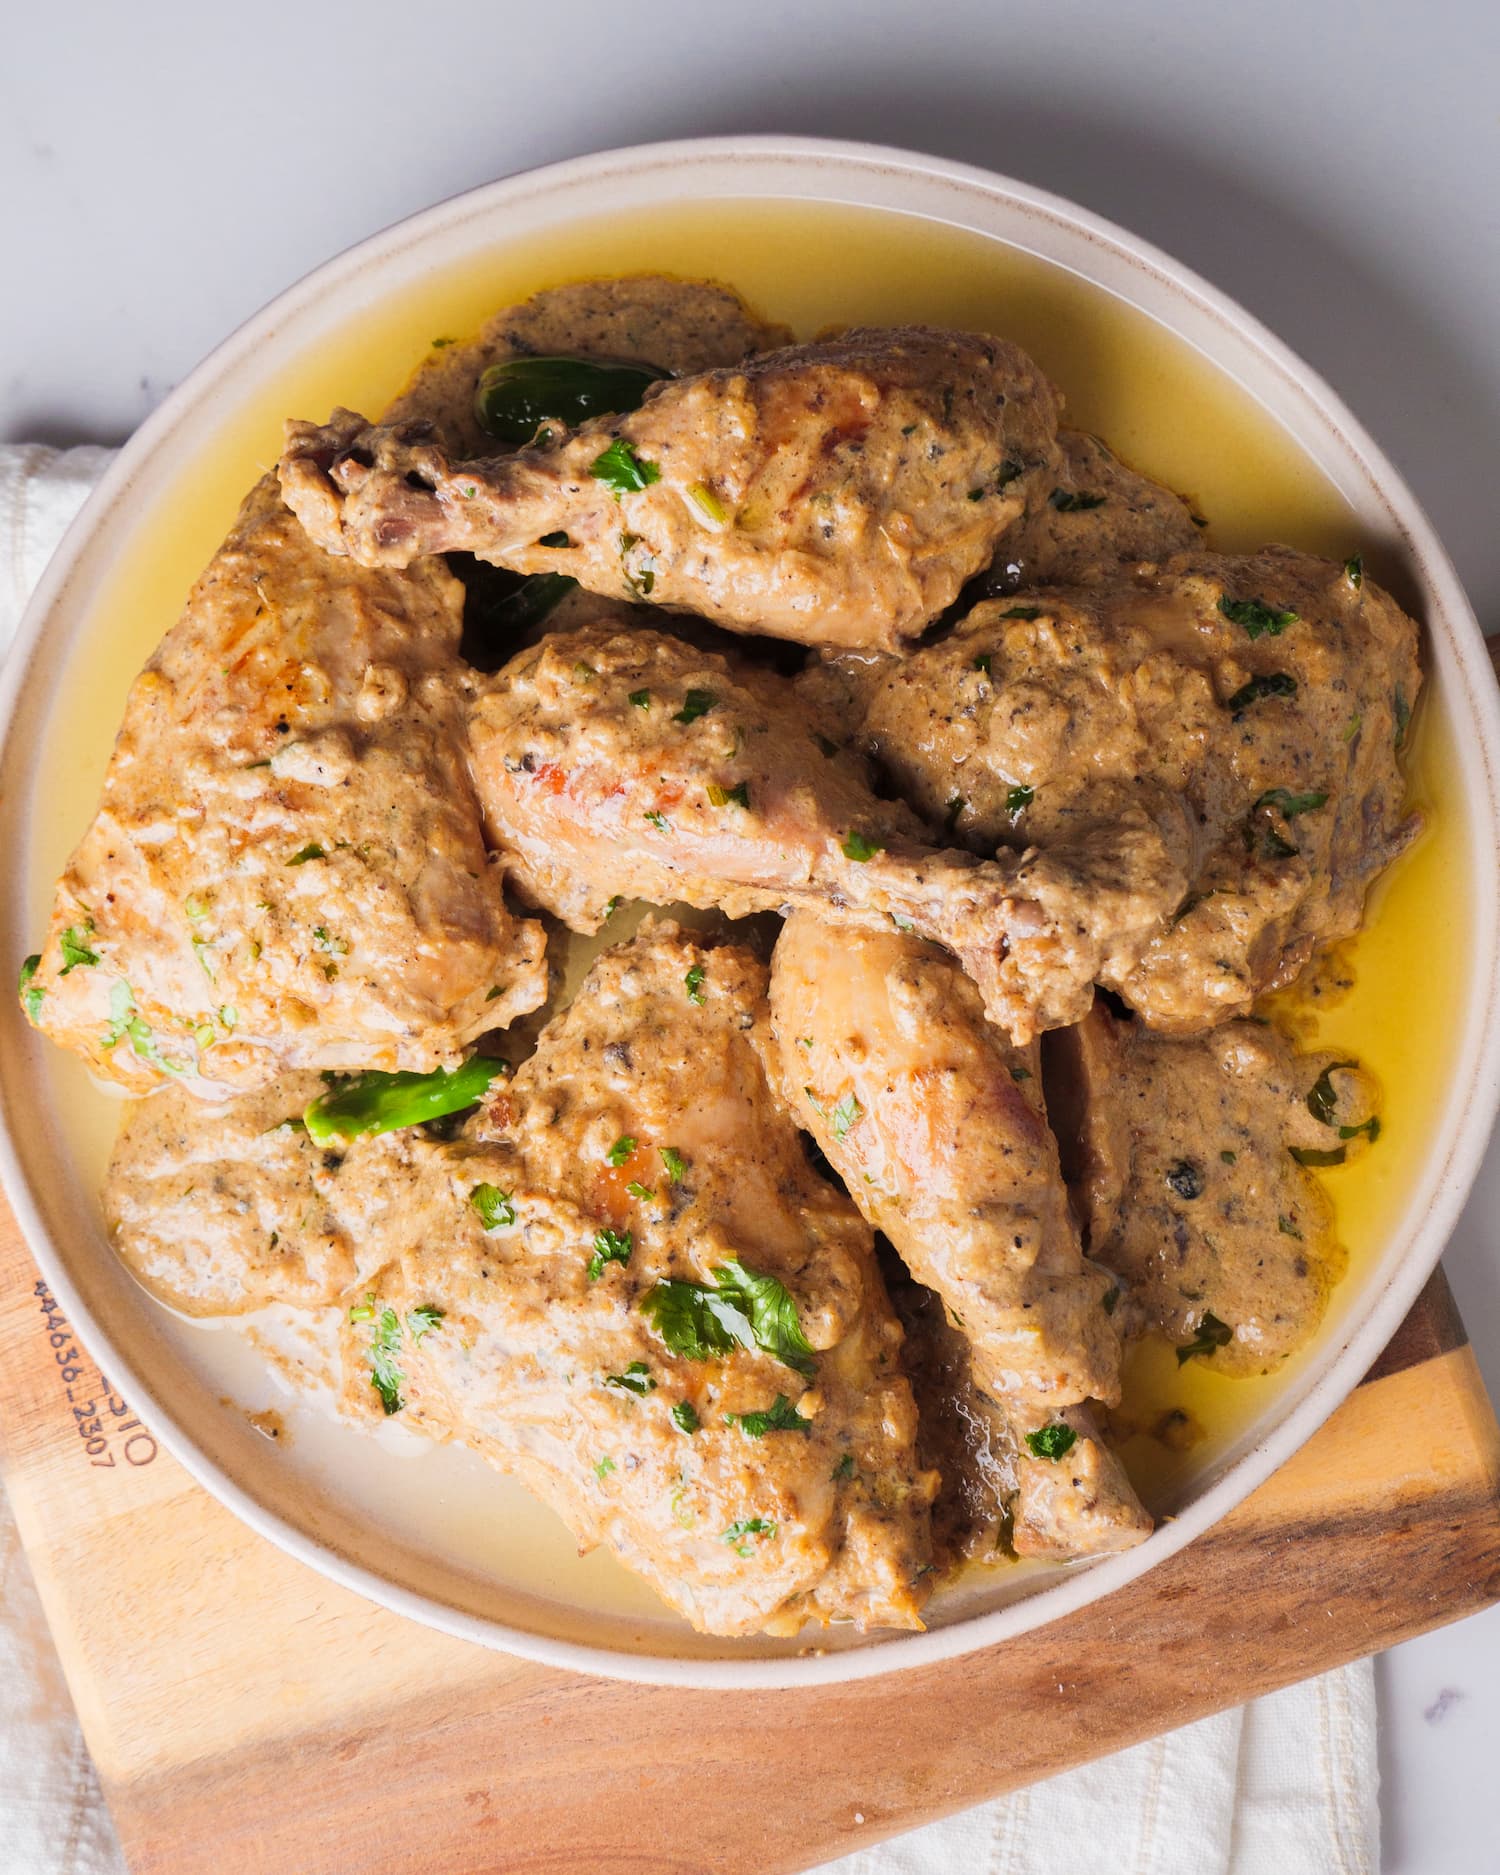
837, 494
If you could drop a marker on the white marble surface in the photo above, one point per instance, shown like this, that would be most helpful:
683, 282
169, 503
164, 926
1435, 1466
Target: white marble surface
167, 168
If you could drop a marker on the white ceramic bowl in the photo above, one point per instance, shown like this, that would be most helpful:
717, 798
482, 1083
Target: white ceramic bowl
52, 1187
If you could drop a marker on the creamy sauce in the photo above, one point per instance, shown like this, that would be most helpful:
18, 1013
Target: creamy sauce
1163, 408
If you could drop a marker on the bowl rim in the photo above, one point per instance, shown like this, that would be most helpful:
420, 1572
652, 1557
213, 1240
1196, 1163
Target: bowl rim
1451, 1167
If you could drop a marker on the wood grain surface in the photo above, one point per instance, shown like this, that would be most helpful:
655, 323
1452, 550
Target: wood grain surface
249, 1718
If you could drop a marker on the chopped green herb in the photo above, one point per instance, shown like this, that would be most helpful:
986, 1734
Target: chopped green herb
1287, 1228
982, 663
1322, 1101
1229, 1158
613, 906
901, 924
659, 821
1353, 727
708, 504
638, 1190
693, 982
422, 1320
1018, 798
1273, 684
495, 1207
31, 999
1259, 619
743, 1527
1054, 1441
1074, 501
610, 1246
737, 796
385, 1372
636, 1379
1185, 1178
1319, 1155
1273, 846
1212, 1334
1370, 1127
439, 344
622, 471
744, 1308
860, 847
584, 672
1291, 805
676, 1165
641, 699
603, 1468
843, 1470
951, 813
1027, 612
362, 1311
845, 1114
75, 948
621, 1150
695, 704
1354, 570
311, 851
780, 1416
685, 1416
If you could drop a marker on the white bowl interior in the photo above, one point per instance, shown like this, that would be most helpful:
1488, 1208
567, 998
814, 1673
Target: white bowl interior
442, 1538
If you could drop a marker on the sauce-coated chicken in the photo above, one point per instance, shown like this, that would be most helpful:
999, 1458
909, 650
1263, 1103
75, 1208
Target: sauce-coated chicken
937, 1129
1191, 1179
837, 494
625, 1284
287, 868
1219, 735
626, 762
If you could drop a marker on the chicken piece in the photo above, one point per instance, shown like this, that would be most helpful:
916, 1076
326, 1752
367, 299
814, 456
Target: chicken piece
1188, 1164
624, 1284
1096, 514
938, 1130
837, 493
628, 763
680, 326
1229, 725
287, 867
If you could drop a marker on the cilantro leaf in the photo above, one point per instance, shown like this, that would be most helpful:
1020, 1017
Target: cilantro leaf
1290, 805
311, 851
745, 1527
780, 1416
1322, 1101
493, 1205
636, 1379
385, 1372
621, 1150
1259, 619
843, 1470
1212, 1333
685, 1416
610, 1246
737, 796
622, 471
687, 1317
1054, 1441
1074, 501
860, 847
1354, 570
676, 1165
771, 1312
1018, 798
1370, 1127
422, 1320
697, 703
31, 999
1319, 1155
1273, 684
694, 983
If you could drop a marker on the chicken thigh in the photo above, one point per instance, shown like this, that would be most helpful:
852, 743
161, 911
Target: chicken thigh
1190, 1167
837, 494
1218, 736
623, 1283
628, 763
287, 867
938, 1131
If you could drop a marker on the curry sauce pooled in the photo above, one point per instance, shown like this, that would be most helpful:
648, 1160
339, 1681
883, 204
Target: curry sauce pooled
630, 599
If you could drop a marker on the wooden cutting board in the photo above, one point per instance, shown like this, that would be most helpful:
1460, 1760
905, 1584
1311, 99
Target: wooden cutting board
249, 1718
